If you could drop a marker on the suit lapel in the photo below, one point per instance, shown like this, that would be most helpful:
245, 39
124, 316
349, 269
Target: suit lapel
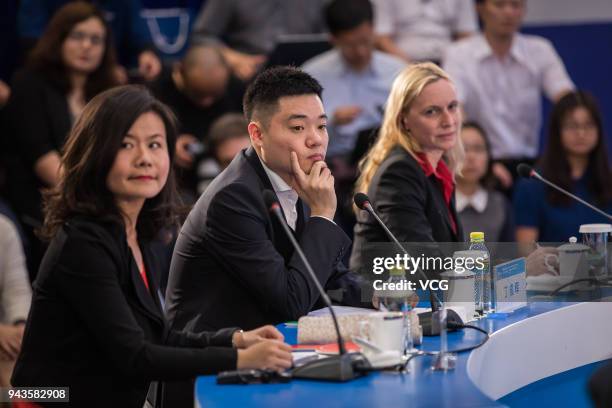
459, 234
278, 237
145, 298
442, 208
303, 214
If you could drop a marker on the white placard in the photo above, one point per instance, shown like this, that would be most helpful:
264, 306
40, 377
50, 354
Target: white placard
510, 285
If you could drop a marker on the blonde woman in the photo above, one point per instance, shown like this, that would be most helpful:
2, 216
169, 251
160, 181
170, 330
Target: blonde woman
409, 173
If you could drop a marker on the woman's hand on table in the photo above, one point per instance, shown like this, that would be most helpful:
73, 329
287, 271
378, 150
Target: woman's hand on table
246, 339
266, 354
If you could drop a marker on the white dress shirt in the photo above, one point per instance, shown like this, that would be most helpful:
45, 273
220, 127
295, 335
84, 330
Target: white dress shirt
504, 95
287, 197
424, 28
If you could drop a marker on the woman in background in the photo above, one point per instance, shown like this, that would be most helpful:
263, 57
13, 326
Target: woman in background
72, 62
576, 159
480, 207
96, 322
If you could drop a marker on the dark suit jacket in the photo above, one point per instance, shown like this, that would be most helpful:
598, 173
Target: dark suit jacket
412, 206
233, 265
38, 121
95, 328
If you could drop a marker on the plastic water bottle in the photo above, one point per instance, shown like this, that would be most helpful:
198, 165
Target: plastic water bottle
398, 300
488, 284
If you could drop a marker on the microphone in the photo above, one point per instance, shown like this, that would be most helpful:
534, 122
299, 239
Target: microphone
343, 367
429, 320
526, 171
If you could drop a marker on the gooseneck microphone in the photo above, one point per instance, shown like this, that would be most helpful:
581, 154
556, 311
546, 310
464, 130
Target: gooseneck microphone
429, 320
342, 367
526, 171
362, 202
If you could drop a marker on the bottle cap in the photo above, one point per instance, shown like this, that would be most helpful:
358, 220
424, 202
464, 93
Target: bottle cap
397, 272
477, 236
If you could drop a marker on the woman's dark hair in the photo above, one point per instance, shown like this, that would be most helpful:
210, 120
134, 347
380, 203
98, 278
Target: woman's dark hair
488, 180
89, 154
46, 57
554, 163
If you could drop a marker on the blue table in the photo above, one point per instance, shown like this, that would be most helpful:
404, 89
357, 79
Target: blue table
536, 342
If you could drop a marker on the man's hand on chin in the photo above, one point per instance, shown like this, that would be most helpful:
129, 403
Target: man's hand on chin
316, 188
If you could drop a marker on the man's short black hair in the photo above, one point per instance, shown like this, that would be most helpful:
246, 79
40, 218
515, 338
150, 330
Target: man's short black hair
344, 15
262, 95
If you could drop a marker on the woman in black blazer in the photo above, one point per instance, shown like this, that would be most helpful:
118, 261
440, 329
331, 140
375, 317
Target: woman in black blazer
96, 322
409, 173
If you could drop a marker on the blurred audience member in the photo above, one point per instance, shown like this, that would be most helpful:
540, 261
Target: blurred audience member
199, 89
72, 62
228, 136
123, 16
500, 75
575, 159
417, 30
479, 207
15, 297
356, 80
250, 31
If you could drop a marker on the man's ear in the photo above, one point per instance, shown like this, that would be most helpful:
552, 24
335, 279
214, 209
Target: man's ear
255, 134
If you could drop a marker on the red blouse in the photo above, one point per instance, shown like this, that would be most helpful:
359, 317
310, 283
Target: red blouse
143, 275
445, 177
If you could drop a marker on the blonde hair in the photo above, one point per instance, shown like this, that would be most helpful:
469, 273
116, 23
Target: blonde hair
406, 87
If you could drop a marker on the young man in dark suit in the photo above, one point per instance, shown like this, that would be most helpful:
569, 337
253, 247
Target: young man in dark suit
233, 264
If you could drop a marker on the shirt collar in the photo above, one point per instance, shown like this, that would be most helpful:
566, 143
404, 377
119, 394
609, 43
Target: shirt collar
441, 171
278, 184
484, 50
344, 68
478, 201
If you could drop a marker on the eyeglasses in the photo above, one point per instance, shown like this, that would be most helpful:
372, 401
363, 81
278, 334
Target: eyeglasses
574, 127
80, 36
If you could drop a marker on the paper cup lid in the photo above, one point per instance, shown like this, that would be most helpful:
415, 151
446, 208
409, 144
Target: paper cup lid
595, 228
573, 247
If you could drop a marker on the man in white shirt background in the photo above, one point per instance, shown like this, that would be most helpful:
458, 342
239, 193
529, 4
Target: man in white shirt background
356, 80
500, 76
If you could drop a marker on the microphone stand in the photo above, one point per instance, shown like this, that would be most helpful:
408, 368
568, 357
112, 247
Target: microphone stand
527, 171
430, 321
343, 367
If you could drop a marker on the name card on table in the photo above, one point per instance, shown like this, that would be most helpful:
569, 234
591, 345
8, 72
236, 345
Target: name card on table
510, 285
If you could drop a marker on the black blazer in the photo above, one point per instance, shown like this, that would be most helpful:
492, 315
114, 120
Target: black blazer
94, 326
38, 121
412, 206
233, 265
